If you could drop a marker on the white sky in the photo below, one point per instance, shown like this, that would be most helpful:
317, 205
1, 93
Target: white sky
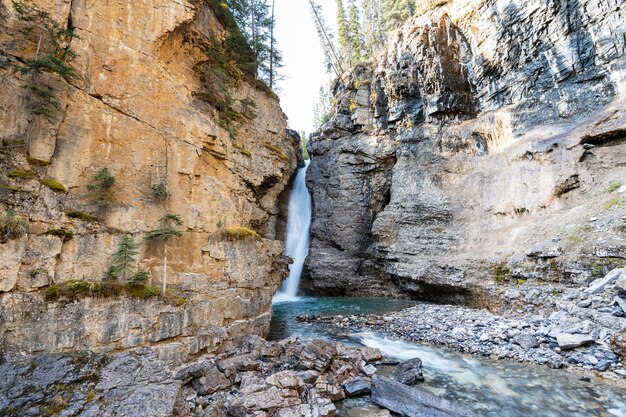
304, 68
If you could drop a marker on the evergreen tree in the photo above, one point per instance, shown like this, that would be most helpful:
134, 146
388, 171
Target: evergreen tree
169, 228
323, 108
343, 28
396, 12
374, 32
331, 57
123, 261
357, 41
255, 20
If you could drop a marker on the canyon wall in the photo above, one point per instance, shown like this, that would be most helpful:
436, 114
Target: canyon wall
137, 107
480, 159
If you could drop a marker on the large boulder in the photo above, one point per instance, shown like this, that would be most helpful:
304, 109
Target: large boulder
411, 402
409, 372
317, 355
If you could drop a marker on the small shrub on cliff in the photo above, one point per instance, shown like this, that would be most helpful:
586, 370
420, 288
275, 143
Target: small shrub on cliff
53, 54
76, 290
613, 186
159, 191
100, 190
12, 226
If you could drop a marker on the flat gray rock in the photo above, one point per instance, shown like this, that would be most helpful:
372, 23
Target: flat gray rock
599, 285
571, 341
411, 402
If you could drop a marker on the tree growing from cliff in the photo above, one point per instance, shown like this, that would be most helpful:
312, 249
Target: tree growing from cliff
343, 30
170, 224
326, 37
396, 12
357, 41
374, 32
255, 20
53, 54
123, 260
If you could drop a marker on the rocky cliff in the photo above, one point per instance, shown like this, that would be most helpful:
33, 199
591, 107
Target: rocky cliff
480, 159
88, 85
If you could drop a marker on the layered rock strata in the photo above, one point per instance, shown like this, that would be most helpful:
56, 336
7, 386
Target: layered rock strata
483, 149
137, 107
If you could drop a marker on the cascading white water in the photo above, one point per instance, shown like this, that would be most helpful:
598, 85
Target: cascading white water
297, 237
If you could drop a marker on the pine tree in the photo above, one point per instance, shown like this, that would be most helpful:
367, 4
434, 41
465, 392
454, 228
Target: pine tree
374, 32
322, 110
123, 261
343, 30
255, 20
396, 12
331, 57
357, 41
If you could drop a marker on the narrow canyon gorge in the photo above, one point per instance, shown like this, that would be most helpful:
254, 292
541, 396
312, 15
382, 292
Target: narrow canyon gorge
454, 246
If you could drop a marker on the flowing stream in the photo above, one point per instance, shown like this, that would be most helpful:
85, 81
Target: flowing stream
297, 237
491, 388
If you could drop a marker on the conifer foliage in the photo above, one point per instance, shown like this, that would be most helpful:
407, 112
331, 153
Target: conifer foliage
122, 264
255, 20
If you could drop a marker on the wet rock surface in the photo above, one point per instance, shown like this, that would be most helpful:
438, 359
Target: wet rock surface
411, 402
588, 338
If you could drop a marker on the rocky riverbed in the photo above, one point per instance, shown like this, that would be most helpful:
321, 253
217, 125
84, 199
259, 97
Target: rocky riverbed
587, 332
289, 378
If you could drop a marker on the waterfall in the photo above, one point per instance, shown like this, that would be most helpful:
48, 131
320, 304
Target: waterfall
297, 236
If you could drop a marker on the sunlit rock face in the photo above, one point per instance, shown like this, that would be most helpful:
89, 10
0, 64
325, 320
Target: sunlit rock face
136, 109
483, 149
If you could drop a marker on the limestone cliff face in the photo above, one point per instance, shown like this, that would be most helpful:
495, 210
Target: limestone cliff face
483, 149
136, 108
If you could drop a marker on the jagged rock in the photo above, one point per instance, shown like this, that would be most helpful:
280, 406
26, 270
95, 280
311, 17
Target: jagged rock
371, 354
526, 341
618, 344
270, 400
621, 303
211, 381
368, 412
571, 341
409, 372
620, 284
239, 363
599, 285
286, 379
411, 402
357, 386
317, 355
320, 406
369, 370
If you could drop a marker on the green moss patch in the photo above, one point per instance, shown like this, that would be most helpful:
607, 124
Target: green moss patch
21, 173
239, 232
276, 151
81, 215
37, 162
54, 185
64, 234
75, 290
